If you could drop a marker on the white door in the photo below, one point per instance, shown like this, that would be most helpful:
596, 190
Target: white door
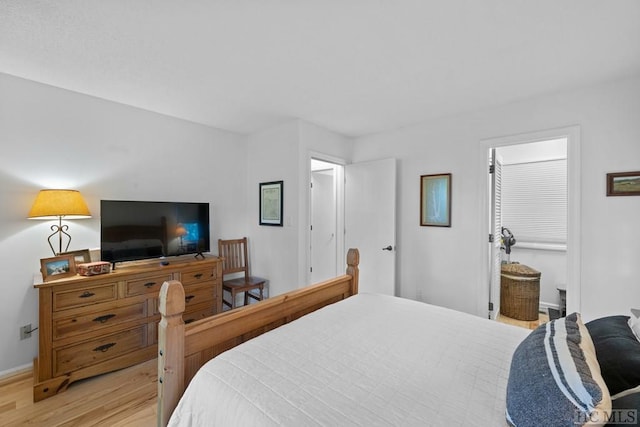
496, 227
323, 225
370, 222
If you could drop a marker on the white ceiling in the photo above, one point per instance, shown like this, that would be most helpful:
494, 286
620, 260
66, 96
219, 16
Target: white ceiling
353, 66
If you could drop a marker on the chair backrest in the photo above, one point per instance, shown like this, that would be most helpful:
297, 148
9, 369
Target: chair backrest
234, 252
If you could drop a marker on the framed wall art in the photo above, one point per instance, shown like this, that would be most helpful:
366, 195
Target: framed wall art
623, 184
435, 200
271, 203
57, 267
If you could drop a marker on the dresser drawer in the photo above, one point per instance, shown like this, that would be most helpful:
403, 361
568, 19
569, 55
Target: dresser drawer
193, 295
146, 285
199, 275
82, 323
196, 295
68, 359
84, 296
189, 317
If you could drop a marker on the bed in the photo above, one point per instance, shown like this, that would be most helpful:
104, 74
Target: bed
363, 360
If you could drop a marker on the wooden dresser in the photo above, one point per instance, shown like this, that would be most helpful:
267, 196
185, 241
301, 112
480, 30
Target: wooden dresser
96, 324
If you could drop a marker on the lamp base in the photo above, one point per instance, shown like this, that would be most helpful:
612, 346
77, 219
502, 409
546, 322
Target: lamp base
59, 229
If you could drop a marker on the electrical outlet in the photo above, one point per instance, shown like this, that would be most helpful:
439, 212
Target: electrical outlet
25, 332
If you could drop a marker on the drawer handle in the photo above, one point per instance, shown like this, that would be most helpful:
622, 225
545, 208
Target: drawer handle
87, 294
104, 347
189, 298
149, 284
197, 275
103, 319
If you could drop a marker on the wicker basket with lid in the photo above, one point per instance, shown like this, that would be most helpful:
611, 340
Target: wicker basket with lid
519, 291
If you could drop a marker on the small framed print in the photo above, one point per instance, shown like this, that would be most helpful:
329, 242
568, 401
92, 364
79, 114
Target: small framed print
435, 200
57, 267
623, 184
271, 203
79, 257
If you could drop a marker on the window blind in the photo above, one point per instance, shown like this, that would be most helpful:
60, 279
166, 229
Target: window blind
534, 201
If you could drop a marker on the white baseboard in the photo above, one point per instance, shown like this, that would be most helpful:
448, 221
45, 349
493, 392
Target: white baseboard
546, 305
14, 371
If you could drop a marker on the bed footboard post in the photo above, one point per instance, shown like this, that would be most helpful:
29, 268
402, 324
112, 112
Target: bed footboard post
353, 259
170, 349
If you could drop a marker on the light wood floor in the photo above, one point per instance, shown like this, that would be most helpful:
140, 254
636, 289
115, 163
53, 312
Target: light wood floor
543, 318
122, 398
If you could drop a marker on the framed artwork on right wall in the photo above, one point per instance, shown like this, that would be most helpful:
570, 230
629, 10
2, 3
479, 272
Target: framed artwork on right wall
623, 184
435, 200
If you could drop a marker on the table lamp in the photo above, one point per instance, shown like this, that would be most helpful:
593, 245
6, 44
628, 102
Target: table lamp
58, 204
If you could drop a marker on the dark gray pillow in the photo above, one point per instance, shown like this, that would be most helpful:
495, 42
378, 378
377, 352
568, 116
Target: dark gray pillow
618, 352
554, 378
626, 410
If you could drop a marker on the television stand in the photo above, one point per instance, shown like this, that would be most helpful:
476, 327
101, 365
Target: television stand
89, 325
199, 255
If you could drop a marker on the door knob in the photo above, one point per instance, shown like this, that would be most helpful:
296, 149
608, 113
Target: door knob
388, 248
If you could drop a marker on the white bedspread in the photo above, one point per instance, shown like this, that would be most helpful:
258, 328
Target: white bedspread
368, 360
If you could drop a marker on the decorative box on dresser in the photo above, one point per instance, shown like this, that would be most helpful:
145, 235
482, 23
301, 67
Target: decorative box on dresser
90, 325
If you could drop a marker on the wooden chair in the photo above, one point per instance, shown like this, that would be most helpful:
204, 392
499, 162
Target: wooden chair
235, 260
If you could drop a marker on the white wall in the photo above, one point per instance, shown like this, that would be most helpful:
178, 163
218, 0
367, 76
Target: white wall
280, 254
553, 266
273, 251
443, 263
56, 138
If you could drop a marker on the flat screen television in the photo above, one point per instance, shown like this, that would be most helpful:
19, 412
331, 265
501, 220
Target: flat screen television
133, 230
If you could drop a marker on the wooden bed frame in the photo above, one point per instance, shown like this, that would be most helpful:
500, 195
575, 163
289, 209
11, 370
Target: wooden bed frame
183, 349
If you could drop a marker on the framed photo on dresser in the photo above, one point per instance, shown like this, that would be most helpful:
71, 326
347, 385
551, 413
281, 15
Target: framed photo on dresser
80, 256
57, 267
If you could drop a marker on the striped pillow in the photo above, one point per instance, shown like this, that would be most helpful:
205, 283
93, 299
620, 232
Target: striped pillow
555, 378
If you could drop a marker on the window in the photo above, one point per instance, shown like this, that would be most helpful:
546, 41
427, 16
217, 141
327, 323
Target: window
534, 200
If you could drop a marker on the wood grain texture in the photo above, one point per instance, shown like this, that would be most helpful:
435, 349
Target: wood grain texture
121, 398
97, 324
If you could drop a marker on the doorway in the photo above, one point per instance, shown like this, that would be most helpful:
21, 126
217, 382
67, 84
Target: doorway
325, 220
530, 206
363, 217
571, 264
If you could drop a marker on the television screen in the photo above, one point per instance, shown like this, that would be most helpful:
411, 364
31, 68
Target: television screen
132, 230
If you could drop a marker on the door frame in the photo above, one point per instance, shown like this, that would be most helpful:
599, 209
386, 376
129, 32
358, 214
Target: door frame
572, 133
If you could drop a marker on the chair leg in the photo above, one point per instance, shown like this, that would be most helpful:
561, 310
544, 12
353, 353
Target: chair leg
250, 294
224, 301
